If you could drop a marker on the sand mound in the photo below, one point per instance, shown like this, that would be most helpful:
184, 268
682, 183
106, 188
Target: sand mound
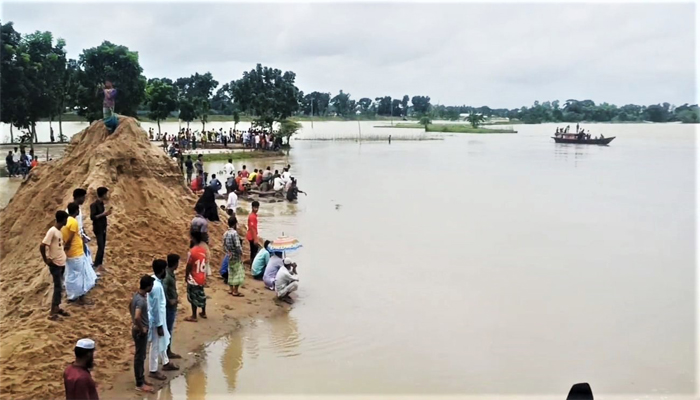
152, 212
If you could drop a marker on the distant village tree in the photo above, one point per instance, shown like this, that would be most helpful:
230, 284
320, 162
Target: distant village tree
118, 64
161, 98
266, 93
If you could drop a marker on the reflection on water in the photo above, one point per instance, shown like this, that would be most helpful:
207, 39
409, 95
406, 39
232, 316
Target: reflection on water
275, 338
232, 359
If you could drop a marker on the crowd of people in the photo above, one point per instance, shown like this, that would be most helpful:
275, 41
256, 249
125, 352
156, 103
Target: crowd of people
153, 306
186, 139
241, 182
19, 163
581, 134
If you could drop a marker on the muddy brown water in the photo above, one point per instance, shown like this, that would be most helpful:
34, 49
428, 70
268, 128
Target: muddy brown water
478, 267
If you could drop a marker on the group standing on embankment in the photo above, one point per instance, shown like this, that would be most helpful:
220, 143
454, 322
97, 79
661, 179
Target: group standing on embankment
153, 307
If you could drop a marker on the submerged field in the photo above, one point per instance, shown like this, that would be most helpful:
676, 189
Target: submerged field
454, 128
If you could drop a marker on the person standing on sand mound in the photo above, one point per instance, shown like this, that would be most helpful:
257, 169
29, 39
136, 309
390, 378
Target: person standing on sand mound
108, 116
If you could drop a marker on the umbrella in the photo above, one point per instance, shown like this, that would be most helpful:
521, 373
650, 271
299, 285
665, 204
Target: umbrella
284, 243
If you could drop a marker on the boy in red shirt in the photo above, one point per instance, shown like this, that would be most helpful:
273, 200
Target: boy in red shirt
252, 235
196, 277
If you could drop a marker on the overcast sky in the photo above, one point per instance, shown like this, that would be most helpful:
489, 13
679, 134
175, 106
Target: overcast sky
500, 55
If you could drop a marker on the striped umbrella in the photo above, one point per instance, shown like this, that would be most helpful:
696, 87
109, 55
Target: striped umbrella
284, 243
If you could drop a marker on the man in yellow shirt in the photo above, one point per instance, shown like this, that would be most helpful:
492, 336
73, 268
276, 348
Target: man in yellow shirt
78, 281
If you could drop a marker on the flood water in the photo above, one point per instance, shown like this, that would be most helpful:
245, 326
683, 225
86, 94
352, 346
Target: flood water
480, 265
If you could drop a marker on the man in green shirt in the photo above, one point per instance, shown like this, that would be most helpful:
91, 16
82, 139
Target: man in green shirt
170, 287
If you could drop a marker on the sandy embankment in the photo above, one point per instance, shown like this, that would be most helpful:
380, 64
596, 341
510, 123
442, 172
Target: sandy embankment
152, 213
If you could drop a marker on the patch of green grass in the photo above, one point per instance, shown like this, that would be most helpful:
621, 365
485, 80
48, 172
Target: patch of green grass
462, 128
451, 128
408, 125
240, 155
509, 122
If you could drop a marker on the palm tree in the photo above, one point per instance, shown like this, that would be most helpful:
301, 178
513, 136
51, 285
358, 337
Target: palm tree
475, 119
425, 121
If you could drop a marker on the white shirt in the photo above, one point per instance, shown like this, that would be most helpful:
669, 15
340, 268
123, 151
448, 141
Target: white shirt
279, 184
257, 139
228, 168
232, 201
284, 278
286, 177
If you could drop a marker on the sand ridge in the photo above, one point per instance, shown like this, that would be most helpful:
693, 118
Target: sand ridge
152, 211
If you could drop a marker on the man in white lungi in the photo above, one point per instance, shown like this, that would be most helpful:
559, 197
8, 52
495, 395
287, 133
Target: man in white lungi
78, 281
158, 333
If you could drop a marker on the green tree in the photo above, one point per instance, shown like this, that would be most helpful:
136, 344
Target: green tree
343, 105
475, 119
404, 105
121, 66
12, 79
421, 104
187, 111
68, 91
425, 120
396, 108
267, 93
236, 119
161, 97
41, 71
222, 102
383, 105
316, 103
198, 89
288, 128
365, 105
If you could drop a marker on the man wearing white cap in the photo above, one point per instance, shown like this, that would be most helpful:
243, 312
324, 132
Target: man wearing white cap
286, 280
77, 378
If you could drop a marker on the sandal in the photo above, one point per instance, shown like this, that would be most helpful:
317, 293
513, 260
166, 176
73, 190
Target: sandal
237, 294
190, 319
144, 388
62, 312
54, 317
203, 315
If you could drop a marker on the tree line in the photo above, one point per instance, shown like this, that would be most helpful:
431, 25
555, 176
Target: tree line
39, 82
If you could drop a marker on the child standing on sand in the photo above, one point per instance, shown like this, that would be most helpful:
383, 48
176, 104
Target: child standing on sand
108, 115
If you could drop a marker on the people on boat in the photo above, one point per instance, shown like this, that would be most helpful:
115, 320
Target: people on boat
278, 184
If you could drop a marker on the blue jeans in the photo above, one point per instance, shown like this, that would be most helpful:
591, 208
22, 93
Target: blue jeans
170, 322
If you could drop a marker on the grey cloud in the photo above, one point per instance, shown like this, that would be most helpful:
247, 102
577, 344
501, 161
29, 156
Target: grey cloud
502, 55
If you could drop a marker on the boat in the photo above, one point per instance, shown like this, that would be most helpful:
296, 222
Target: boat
573, 139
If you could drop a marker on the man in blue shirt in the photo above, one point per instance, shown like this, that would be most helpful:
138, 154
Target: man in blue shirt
215, 184
257, 268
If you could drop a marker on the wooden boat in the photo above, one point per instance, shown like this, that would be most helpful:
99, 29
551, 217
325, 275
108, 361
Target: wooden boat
574, 140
